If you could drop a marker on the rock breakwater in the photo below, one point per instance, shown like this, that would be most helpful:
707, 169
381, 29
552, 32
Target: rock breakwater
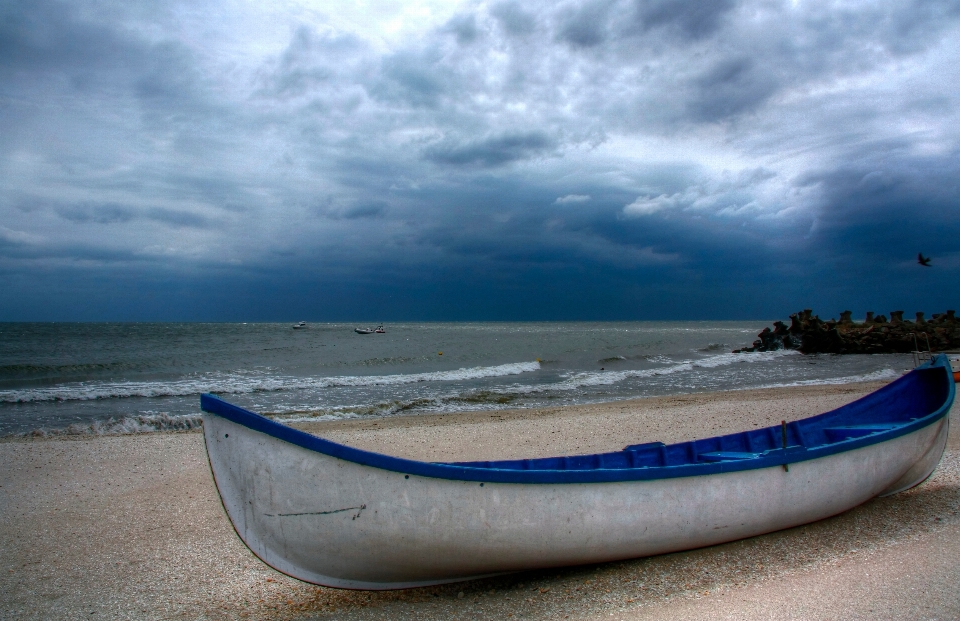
875, 335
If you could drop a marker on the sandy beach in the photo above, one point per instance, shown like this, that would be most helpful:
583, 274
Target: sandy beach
131, 527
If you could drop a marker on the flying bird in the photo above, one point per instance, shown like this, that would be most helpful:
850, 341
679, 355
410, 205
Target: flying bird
922, 260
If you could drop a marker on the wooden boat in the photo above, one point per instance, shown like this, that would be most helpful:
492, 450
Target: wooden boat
342, 517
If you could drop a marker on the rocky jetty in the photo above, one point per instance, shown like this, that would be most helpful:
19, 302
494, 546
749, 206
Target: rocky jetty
876, 335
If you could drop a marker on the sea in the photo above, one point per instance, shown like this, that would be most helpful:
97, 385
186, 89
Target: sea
115, 378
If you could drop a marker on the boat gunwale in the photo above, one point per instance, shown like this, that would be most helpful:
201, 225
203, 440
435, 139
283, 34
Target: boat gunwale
461, 472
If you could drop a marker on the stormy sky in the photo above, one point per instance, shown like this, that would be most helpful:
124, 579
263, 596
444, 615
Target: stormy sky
613, 159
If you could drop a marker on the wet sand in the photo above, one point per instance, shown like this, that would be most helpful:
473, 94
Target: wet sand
130, 527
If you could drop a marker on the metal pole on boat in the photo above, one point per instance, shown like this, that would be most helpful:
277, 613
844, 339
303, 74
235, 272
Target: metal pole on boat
783, 428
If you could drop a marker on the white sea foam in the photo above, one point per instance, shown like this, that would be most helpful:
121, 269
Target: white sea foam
875, 376
243, 382
316, 418
142, 423
585, 379
453, 401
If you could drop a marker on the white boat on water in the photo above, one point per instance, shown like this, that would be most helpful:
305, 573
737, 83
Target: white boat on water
300, 325
338, 516
378, 330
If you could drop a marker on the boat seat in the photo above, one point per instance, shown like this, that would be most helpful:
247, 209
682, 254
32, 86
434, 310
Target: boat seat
848, 432
726, 456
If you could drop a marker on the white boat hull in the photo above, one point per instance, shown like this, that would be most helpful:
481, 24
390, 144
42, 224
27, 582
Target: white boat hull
338, 523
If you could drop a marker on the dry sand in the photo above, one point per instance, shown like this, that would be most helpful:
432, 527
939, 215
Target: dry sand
130, 527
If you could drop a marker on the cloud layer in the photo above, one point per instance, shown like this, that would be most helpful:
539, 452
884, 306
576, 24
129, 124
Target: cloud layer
597, 159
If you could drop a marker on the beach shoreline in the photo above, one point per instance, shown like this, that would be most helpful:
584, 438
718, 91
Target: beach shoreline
130, 526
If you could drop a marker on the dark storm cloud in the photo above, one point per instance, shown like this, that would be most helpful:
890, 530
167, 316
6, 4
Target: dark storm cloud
119, 214
735, 145
693, 19
40, 254
895, 208
911, 26
313, 60
47, 36
492, 150
730, 88
464, 27
585, 25
372, 209
416, 78
513, 19
511, 223
45, 40
100, 214
222, 192
179, 218
168, 79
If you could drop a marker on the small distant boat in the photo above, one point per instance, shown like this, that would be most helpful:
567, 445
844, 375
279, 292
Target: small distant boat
300, 325
334, 515
378, 330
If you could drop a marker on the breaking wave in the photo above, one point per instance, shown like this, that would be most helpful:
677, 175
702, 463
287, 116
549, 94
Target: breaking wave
875, 376
512, 395
124, 425
242, 382
585, 379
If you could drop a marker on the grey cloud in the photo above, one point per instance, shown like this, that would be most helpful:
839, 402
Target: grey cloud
108, 213
693, 19
492, 227
112, 213
372, 209
179, 218
44, 40
416, 78
453, 138
314, 59
214, 189
464, 27
571, 198
492, 150
585, 26
169, 76
48, 36
730, 88
12, 237
896, 189
908, 27
513, 19
72, 253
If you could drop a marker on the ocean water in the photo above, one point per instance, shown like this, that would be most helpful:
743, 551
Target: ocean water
133, 377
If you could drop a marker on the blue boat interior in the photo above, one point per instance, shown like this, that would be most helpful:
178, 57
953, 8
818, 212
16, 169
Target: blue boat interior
893, 407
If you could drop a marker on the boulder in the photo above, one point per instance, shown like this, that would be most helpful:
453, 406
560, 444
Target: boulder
809, 334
